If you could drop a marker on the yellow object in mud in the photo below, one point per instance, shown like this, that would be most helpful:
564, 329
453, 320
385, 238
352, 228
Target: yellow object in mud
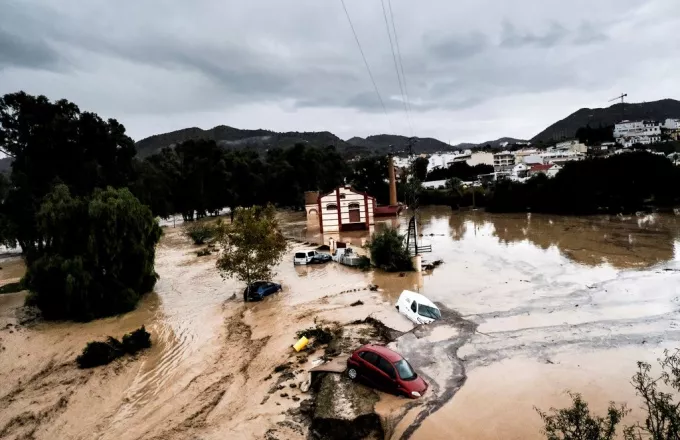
301, 343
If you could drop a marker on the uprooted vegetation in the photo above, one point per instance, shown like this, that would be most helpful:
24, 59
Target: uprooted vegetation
98, 353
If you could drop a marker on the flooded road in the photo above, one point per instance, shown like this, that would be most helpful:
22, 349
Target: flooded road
534, 306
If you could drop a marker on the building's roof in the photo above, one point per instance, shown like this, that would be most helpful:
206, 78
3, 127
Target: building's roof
541, 167
348, 188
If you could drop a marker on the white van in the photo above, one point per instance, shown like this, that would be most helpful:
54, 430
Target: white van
417, 308
310, 257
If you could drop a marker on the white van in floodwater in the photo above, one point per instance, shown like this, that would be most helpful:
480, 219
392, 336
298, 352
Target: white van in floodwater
417, 308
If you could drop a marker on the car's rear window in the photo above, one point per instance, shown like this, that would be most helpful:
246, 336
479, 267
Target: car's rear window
310, 254
300, 255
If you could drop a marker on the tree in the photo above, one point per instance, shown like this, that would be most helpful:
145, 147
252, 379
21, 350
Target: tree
52, 143
388, 251
370, 175
420, 168
662, 407
251, 245
576, 423
98, 254
454, 187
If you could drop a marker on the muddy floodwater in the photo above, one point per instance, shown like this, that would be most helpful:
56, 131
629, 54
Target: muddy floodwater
533, 306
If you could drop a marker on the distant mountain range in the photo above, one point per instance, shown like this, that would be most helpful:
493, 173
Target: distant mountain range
566, 128
261, 140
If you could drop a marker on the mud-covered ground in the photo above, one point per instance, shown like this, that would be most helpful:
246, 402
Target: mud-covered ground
533, 306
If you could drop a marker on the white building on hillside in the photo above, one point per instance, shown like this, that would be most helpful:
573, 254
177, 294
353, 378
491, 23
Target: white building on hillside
629, 133
572, 145
480, 158
504, 161
672, 127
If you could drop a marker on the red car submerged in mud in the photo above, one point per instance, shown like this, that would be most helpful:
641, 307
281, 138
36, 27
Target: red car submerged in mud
386, 370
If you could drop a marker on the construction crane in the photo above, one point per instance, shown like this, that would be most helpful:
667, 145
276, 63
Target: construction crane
623, 105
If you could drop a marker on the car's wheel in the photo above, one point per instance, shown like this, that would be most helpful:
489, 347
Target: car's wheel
352, 373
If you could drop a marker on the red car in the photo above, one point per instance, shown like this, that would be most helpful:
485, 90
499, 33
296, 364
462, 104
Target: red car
386, 370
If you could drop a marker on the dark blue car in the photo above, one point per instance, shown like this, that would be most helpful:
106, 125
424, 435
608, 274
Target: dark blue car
259, 289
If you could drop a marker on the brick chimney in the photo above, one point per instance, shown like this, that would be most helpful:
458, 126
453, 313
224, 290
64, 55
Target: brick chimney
393, 181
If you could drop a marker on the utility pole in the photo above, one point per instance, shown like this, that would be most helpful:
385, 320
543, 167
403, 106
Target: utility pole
623, 104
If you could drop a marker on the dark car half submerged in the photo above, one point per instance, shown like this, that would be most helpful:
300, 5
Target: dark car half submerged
259, 289
386, 370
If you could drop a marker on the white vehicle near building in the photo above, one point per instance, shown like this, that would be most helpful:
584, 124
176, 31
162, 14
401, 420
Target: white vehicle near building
417, 308
310, 257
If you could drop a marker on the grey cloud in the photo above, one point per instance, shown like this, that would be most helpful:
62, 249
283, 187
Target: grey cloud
19, 51
456, 47
587, 33
513, 38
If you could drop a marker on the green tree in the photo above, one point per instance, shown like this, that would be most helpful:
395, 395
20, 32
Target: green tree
51, 143
420, 168
98, 254
370, 175
251, 245
659, 401
388, 251
577, 423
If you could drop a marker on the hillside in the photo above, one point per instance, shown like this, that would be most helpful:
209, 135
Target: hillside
497, 144
566, 128
261, 140
235, 138
381, 144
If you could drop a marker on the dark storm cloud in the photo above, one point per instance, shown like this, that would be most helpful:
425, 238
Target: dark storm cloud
170, 58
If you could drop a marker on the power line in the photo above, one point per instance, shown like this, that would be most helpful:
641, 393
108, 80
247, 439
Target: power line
401, 62
396, 66
368, 68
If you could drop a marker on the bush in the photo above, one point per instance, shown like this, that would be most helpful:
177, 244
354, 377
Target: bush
136, 341
12, 288
199, 232
322, 335
388, 251
577, 423
659, 401
101, 353
98, 255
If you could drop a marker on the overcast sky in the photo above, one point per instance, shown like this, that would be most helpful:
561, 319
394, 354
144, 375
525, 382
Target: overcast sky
475, 70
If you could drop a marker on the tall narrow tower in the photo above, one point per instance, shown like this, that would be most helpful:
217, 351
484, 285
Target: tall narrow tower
393, 181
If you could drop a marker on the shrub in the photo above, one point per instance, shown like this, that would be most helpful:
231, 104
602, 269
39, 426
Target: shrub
388, 251
98, 254
577, 423
659, 402
12, 288
199, 232
322, 335
136, 341
98, 353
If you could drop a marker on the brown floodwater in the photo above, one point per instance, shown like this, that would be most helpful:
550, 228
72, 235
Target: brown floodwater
533, 306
